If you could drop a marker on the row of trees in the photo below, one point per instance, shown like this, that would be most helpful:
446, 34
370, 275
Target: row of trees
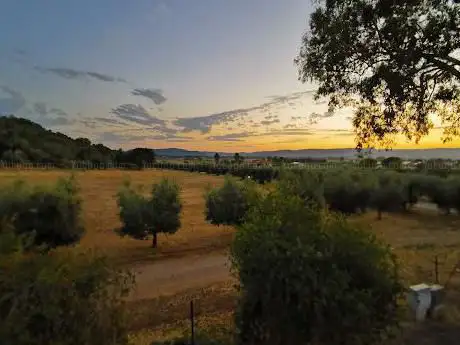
355, 191
144, 213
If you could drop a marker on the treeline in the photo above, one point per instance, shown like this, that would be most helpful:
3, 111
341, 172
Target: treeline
352, 191
24, 141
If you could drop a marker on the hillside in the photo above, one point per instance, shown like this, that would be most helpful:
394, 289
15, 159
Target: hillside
22, 140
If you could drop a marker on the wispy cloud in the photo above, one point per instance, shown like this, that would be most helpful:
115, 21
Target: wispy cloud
123, 137
291, 131
315, 117
204, 124
231, 137
56, 121
13, 102
109, 121
41, 109
155, 95
70, 73
137, 114
269, 122
270, 117
241, 136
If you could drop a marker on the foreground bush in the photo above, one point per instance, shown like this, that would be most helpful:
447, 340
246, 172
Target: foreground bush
309, 277
52, 214
57, 299
143, 216
229, 204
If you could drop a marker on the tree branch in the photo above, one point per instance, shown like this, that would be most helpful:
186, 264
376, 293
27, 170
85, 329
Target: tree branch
443, 65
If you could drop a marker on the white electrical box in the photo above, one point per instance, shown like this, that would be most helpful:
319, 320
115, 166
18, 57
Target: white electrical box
419, 298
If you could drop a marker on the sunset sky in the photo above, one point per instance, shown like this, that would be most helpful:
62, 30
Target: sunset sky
213, 75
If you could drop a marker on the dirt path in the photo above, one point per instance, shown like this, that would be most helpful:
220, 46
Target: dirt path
168, 277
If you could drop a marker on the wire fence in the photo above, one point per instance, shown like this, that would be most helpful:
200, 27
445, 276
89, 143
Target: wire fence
90, 165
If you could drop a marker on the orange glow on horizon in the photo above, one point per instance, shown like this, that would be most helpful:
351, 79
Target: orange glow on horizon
314, 141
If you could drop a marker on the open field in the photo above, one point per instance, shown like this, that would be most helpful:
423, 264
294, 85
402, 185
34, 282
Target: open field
192, 264
100, 213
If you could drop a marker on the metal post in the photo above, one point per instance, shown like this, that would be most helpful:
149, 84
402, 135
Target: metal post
436, 269
192, 322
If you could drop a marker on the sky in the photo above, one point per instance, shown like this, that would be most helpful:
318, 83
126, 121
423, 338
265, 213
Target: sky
214, 75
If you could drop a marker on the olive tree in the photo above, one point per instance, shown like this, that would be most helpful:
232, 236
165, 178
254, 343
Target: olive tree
228, 204
143, 216
390, 194
309, 277
52, 214
395, 62
307, 185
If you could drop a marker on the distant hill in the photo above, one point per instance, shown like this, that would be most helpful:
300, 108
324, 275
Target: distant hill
22, 140
320, 153
175, 152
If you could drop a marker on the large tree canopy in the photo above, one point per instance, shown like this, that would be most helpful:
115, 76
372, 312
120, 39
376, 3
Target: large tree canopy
397, 62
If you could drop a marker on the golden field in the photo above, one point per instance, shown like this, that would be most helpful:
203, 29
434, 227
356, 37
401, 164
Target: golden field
100, 212
416, 238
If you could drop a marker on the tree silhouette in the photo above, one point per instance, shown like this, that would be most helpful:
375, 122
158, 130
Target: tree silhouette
393, 61
216, 158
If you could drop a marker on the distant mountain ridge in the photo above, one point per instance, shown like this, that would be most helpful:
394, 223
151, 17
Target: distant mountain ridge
348, 153
25, 140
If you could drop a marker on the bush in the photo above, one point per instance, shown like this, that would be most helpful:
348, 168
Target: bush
51, 214
349, 191
307, 185
229, 204
307, 276
390, 194
143, 216
59, 299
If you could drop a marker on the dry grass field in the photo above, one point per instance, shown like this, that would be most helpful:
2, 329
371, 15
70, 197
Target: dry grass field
100, 213
416, 238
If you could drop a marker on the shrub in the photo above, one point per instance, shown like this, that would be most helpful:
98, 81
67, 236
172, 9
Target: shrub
307, 185
229, 204
309, 277
51, 214
392, 193
142, 216
59, 299
348, 191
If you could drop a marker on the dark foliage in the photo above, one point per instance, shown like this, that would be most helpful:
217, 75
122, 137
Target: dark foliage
394, 61
51, 215
59, 299
304, 272
22, 140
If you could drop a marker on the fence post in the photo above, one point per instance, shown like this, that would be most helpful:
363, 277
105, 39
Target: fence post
436, 269
192, 323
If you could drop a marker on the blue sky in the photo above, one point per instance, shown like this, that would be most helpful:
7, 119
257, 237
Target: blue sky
201, 74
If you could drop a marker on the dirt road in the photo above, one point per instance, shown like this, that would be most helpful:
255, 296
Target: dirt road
168, 277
